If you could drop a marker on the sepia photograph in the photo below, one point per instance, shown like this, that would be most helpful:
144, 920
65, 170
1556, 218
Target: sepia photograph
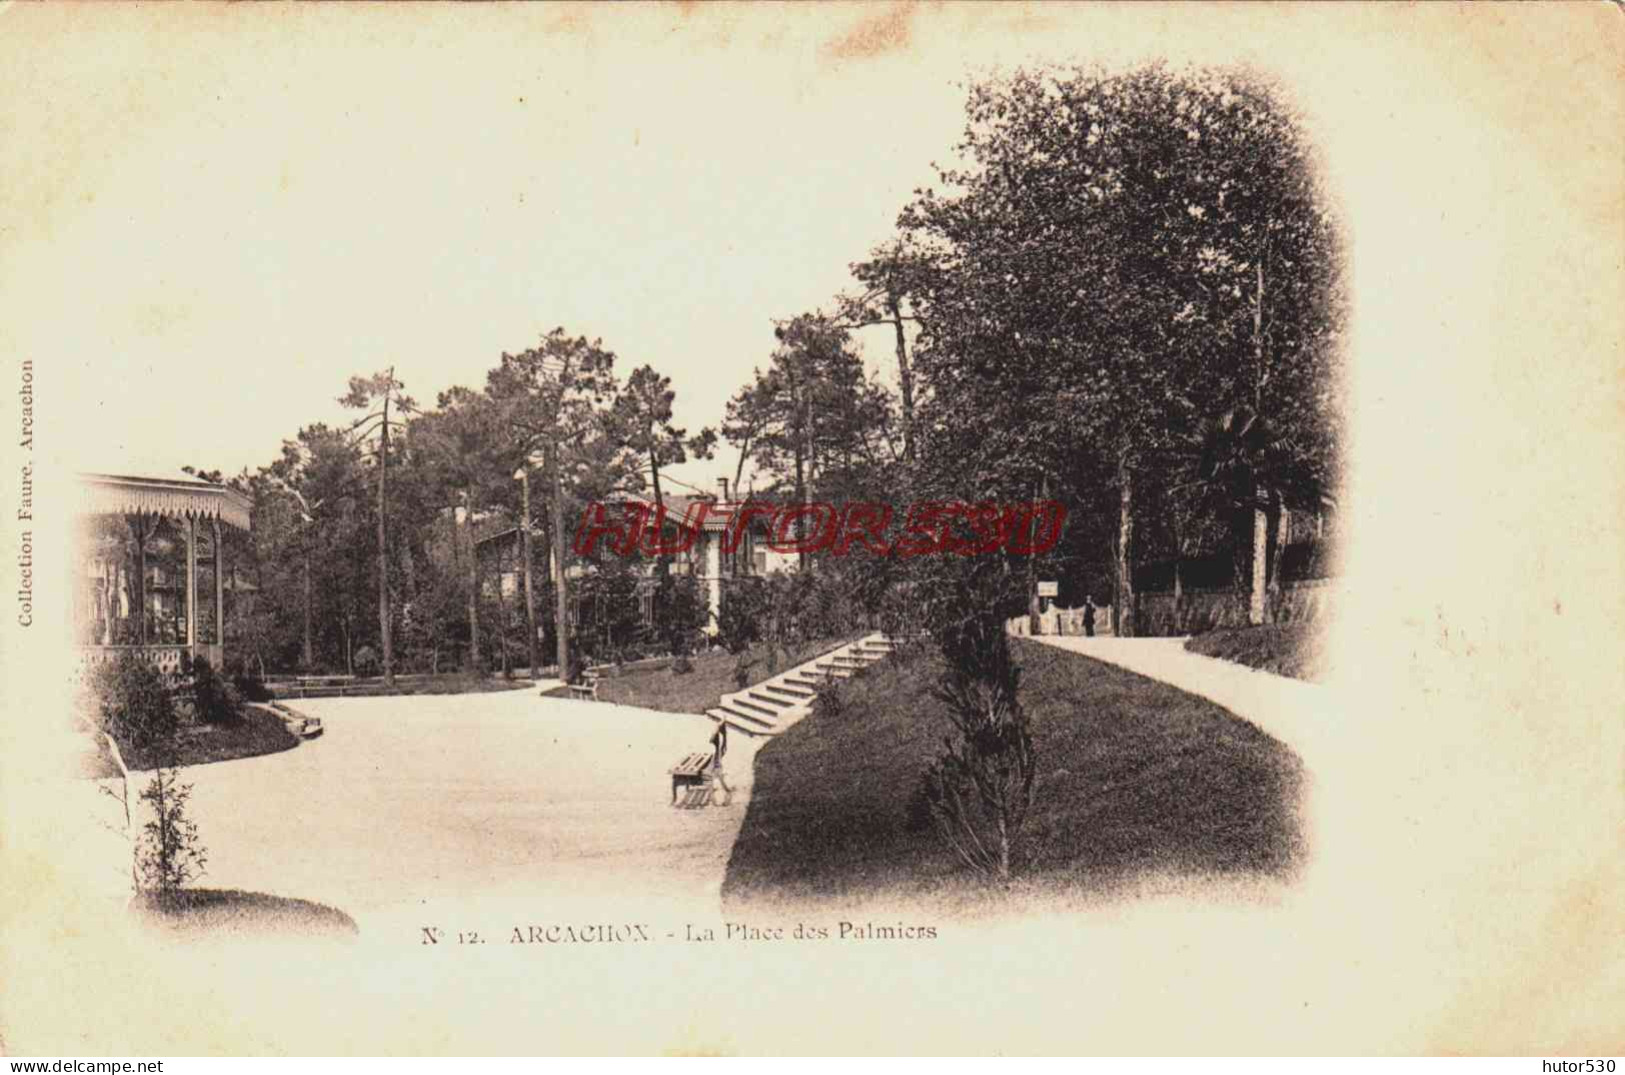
857, 528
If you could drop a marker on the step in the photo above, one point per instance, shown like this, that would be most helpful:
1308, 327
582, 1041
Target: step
790, 690
745, 722
766, 697
742, 702
812, 679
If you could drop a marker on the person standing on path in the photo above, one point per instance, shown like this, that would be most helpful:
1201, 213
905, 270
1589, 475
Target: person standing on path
719, 747
1088, 616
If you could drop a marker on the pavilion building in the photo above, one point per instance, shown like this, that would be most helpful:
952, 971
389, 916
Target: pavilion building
152, 573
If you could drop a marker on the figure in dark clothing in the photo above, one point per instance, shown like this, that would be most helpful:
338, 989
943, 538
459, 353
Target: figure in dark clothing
1089, 616
719, 747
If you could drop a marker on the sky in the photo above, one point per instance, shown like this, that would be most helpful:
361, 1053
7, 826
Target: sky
215, 218
238, 217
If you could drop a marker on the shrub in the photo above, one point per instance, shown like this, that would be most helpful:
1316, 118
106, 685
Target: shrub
680, 611
366, 661
981, 788
169, 853
132, 703
831, 700
742, 666
740, 621
247, 679
213, 699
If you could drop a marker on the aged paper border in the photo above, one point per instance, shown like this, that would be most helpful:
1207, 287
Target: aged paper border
1474, 904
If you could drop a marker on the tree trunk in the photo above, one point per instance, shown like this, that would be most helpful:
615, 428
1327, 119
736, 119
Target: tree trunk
1123, 606
1283, 533
1260, 567
531, 651
502, 626
1035, 608
905, 376
383, 547
308, 654
800, 459
561, 584
1179, 594
1123, 603
473, 582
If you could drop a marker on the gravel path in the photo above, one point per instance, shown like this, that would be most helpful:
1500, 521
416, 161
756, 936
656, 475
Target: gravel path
406, 802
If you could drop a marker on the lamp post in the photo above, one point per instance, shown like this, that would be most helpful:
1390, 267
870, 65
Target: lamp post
522, 476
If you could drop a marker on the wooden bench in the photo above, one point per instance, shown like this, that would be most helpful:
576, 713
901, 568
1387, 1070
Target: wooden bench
691, 771
695, 797
586, 690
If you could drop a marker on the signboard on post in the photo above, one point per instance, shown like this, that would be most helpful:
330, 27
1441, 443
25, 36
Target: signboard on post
1049, 589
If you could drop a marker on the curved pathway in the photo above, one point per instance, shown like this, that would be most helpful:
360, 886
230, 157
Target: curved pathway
1298, 713
405, 803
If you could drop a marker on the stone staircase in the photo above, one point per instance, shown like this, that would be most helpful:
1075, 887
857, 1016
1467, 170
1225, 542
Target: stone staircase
768, 708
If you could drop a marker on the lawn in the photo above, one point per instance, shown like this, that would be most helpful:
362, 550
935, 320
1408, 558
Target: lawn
661, 688
1135, 779
255, 732
196, 912
374, 686
1291, 649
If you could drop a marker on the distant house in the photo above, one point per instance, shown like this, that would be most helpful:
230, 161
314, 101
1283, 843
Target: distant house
697, 535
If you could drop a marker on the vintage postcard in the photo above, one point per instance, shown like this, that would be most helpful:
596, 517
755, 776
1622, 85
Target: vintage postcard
813, 529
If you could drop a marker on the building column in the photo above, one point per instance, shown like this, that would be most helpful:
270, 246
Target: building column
713, 582
191, 585
219, 596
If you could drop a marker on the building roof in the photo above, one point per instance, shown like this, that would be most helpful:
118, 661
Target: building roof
179, 496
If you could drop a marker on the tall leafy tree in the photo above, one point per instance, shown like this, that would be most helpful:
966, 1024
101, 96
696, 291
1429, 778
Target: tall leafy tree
377, 395
307, 525
644, 417
1103, 279
894, 278
812, 420
463, 449
552, 401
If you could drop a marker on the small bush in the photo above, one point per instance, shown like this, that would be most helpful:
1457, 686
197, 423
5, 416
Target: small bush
169, 853
247, 679
366, 661
132, 703
832, 699
214, 700
739, 624
742, 666
981, 788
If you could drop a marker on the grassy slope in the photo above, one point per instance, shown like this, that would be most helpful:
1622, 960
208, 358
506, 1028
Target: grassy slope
256, 733
200, 911
699, 690
1134, 776
1285, 649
